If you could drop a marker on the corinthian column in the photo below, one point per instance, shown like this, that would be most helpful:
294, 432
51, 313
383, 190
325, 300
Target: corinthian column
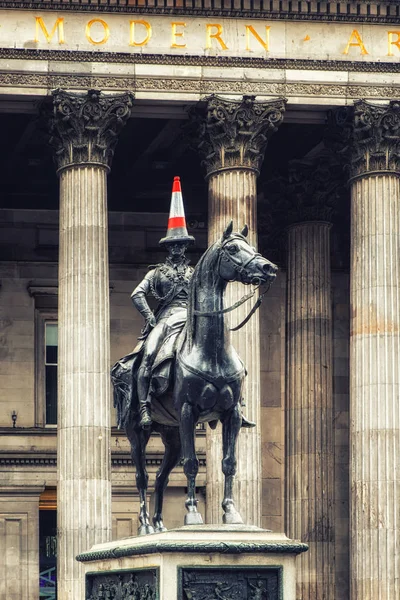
233, 139
309, 399
84, 132
375, 352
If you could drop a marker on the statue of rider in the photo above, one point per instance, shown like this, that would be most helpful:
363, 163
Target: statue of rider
168, 283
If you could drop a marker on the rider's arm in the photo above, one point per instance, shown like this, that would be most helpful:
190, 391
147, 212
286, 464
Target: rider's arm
139, 301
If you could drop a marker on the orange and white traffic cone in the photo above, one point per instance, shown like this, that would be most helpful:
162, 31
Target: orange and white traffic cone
177, 230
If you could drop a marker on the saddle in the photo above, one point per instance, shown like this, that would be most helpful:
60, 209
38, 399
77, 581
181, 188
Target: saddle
124, 372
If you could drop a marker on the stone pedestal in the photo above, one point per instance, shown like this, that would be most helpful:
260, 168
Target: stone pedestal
233, 138
194, 562
84, 132
375, 353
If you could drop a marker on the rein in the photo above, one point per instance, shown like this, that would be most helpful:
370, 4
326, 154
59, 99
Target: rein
242, 300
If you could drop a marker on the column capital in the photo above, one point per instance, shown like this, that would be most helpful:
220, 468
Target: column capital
314, 189
366, 137
84, 128
376, 138
234, 134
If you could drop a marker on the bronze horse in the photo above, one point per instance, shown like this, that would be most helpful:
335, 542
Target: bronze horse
205, 384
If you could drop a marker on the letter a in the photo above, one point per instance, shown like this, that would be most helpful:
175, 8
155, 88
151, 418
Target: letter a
359, 43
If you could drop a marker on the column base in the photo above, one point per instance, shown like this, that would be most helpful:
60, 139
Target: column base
193, 562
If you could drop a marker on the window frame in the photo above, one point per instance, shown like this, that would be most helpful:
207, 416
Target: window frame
42, 316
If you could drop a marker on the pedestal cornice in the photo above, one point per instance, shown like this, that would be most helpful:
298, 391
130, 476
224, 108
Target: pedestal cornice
84, 127
234, 134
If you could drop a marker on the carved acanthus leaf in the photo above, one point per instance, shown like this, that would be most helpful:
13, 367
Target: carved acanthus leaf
376, 138
84, 128
232, 134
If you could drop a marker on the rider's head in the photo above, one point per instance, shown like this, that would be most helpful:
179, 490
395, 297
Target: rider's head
176, 249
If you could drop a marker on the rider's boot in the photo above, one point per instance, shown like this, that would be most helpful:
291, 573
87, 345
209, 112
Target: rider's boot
246, 423
143, 384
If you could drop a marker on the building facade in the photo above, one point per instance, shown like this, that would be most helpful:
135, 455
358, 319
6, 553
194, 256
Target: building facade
282, 115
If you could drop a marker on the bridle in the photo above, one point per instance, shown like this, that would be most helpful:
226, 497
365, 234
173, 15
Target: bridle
240, 268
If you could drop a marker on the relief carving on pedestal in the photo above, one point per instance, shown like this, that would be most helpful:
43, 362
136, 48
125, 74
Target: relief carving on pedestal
230, 584
138, 585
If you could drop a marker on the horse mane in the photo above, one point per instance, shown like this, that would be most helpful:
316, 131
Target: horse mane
204, 267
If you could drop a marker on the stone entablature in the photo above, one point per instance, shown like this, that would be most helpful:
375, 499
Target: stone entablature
199, 36
376, 11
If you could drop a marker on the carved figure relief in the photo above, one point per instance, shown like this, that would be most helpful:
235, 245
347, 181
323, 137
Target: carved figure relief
139, 585
230, 584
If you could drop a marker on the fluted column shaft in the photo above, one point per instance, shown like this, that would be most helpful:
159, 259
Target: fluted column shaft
375, 388
375, 352
84, 132
309, 408
84, 484
233, 136
232, 195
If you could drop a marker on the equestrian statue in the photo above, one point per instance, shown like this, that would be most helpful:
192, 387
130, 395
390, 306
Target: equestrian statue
184, 369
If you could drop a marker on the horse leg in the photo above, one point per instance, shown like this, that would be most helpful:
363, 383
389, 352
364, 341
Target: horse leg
190, 463
138, 438
172, 443
231, 425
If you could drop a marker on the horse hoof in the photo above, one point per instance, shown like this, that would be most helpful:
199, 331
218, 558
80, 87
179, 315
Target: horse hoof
145, 530
193, 518
160, 528
232, 518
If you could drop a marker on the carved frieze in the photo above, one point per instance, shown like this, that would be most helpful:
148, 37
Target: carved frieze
133, 585
230, 584
84, 128
234, 134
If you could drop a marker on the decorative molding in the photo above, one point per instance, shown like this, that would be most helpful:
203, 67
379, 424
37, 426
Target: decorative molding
22, 490
42, 290
51, 461
84, 128
376, 138
363, 11
196, 547
235, 133
197, 61
200, 86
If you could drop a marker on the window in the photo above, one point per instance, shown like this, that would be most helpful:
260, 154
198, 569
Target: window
46, 354
50, 366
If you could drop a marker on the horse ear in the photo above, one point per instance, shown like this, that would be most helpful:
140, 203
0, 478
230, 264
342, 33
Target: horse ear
245, 231
228, 231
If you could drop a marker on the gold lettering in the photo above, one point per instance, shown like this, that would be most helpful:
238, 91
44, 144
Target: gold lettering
216, 36
176, 34
358, 43
250, 29
106, 32
149, 33
392, 42
59, 24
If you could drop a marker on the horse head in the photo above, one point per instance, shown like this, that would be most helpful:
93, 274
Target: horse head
241, 262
